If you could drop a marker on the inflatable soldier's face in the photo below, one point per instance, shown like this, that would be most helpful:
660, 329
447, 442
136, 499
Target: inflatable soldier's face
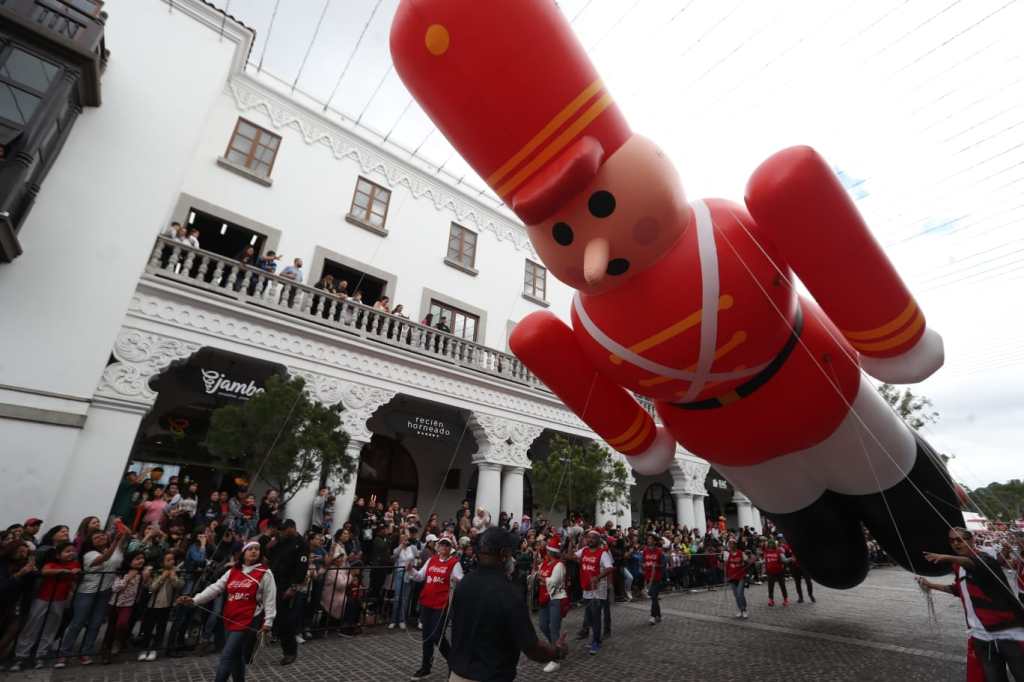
628, 215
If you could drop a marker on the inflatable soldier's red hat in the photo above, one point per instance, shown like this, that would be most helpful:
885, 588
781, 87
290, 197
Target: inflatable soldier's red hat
513, 91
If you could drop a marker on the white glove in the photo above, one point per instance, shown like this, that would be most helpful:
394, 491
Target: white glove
917, 364
656, 458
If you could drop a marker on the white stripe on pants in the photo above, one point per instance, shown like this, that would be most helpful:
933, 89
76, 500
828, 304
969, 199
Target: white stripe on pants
43, 622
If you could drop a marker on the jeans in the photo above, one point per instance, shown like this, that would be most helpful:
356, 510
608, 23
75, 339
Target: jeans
232, 660
41, 628
213, 628
88, 610
551, 620
997, 656
399, 607
738, 589
653, 590
627, 580
594, 608
434, 622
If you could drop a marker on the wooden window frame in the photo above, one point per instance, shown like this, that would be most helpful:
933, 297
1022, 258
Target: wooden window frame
530, 281
256, 144
363, 217
452, 311
457, 241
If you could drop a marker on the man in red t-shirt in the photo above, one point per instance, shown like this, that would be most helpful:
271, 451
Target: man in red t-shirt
775, 566
595, 566
439, 576
654, 573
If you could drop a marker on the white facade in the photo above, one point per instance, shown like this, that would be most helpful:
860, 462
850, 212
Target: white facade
92, 314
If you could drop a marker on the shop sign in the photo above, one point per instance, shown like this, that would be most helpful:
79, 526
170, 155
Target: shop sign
428, 427
219, 383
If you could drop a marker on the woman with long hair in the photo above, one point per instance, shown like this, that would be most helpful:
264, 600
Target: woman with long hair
335, 589
250, 606
85, 530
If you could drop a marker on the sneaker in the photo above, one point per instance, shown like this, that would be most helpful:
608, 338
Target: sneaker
15, 667
652, 620
401, 626
552, 667
142, 656
771, 602
60, 663
746, 615
629, 597
152, 655
813, 600
419, 625
391, 626
287, 660
594, 648
785, 602
299, 639
85, 660
739, 614
800, 600
421, 673
39, 664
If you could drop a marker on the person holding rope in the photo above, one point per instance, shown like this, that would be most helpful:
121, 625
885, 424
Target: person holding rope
595, 566
491, 621
438, 575
737, 563
654, 573
775, 566
250, 606
994, 614
552, 597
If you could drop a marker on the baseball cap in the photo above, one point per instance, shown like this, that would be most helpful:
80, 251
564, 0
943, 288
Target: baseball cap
430, 538
33, 522
446, 540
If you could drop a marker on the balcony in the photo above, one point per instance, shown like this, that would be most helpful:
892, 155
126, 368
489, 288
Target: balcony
227, 278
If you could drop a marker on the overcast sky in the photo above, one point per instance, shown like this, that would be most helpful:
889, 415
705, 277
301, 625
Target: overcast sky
919, 104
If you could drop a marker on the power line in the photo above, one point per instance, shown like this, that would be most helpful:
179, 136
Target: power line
399, 119
352, 54
580, 13
312, 41
266, 41
375, 91
593, 48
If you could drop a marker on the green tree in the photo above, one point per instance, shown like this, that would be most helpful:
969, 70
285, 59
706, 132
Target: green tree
916, 410
578, 474
283, 437
1003, 501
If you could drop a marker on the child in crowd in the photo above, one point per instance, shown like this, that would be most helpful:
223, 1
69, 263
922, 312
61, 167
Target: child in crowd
126, 593
163, 589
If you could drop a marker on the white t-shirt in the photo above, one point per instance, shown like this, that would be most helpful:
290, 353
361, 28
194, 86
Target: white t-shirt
602, 585
100, 577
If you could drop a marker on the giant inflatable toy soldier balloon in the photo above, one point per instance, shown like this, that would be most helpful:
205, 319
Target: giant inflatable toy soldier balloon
692, 303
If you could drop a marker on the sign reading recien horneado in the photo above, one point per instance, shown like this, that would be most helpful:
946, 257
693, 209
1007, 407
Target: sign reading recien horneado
429, 428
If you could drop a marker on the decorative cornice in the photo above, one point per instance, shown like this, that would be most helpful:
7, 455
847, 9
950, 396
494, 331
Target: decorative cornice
285, 341
250, 94
360, 401
140, 356
688, 474
501, 440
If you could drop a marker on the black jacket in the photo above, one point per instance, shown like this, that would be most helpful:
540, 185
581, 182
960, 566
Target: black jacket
288, 560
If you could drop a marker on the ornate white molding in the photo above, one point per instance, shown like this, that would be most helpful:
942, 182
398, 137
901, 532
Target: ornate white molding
360, 401
688, 475
284, 341
316, 129
502, 441
140, 357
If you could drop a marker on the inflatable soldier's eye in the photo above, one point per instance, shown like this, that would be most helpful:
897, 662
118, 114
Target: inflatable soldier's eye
601, 204
617, 266
562, 234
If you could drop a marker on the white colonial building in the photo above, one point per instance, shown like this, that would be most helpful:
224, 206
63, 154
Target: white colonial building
117, 342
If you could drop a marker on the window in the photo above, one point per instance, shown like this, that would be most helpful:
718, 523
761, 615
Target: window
24, 80
462, 247
253, 148
657, 504
459, 322
370, 203
535, 283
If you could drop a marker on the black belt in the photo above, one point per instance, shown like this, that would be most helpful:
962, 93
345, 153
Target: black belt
759, 379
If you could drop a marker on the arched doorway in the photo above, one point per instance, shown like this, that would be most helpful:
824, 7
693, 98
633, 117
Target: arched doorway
657, 504
387, 473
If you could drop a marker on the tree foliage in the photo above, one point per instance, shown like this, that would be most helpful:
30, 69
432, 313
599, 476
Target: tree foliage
1003, 501
283, 437
916, 410
577, 475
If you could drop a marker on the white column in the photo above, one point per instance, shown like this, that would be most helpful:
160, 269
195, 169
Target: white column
758, 523
511, 493
684, 508
700, 518
96, 466
488, 489
300, 507
626, 509
744, 510
345, 493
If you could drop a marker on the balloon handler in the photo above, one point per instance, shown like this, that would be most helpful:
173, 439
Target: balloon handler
694, 303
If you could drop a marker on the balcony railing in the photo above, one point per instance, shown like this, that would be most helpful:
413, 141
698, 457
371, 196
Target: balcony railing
227, 277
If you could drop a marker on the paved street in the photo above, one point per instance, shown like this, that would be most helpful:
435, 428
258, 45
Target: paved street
879, 631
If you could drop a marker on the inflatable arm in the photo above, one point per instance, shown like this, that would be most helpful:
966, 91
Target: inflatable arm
546, 345
800, 203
